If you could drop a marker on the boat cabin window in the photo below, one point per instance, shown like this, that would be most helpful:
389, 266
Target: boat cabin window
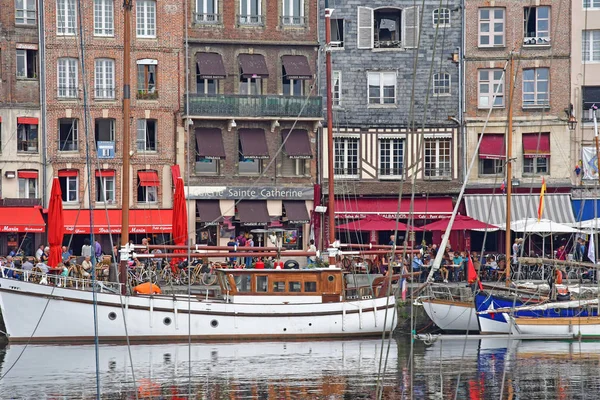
278, 287
295, 286
243, 283
262, 283
310, 286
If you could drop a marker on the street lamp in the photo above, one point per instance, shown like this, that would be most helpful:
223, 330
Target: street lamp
572, 121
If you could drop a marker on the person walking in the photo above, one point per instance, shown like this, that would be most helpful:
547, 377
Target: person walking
86, 249
249, 243
310, 260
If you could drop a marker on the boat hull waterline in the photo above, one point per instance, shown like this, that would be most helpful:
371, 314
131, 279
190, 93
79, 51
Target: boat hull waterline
68, 316
585, 327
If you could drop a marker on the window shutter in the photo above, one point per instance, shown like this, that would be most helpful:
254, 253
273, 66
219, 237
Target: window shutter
411, 27
365, 28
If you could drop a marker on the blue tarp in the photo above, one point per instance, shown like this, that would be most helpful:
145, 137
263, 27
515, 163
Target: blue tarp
583, 209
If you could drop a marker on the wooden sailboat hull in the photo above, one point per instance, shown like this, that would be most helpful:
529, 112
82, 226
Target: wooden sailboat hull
67, 315
588, 327
450, 315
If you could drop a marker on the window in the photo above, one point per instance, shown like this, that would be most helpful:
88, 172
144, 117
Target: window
310, 286
262, 283
206, 165
441, 84
25, 12
535, 166
146, 135
65, 17
248, 166
145, 20
146, 82
206, 86
591, 3
250, 85
250, 12
67, 134
28, 185
295, 286
491, 27
437, 162
105, 79
591, 98
69, 186
491, 82
491, 166
104, 18
337, 32
345, 161
382, 87
441, 17
591, 46
147, 191
293, 12
27, 138
105, 186
391, 157
536, 27
67, 77
291, 87
291, 167
279, 287
387, 27
207, 11
27, 64
337, 88
104, 129
535, 87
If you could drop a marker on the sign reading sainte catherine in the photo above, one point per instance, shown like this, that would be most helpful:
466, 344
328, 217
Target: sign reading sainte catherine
249, 193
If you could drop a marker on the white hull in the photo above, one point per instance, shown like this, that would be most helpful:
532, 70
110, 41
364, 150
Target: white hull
68, 316
490, 326
451, 316
559, 326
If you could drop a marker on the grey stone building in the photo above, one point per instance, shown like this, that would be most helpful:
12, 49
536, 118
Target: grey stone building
397, 108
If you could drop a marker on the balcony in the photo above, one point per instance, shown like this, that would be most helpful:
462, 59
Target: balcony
253, 106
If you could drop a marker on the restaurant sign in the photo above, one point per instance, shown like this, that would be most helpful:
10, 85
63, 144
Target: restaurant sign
26, 228
361, 215
249, 193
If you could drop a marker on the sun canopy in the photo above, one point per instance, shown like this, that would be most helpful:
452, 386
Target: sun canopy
541, 227
461, 223
376, 223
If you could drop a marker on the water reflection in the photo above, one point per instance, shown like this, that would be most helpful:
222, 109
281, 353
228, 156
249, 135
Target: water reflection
332, 370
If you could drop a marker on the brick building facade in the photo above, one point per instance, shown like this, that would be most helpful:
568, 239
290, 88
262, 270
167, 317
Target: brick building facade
85, 114
393, 127
21, 160
254, 110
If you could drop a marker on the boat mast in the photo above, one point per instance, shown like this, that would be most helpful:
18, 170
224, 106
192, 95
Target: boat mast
508, 245
125, 181
330, 171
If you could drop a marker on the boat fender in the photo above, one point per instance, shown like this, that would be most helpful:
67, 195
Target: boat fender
291, 264
147, 288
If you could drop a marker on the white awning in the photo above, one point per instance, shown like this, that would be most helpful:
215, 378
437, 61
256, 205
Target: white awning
491, 208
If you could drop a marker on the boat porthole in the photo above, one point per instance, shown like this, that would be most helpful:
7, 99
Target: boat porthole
167, 321
557, 310
310, 324
284, 329
214, 323
112, 316
330, 278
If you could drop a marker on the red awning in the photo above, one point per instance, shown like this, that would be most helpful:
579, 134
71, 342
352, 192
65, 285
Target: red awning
27, 174
536, 145
432, 208
27, 120
67, 172
140, 221
21, 219
492, 147
102, 173
148, 178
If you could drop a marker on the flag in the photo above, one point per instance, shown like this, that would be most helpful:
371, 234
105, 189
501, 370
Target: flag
592, 250
472, 274
404, 288
541, 205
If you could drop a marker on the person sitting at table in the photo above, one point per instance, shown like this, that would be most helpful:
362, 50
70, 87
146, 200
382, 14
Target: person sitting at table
417, 266
46, 255
64, 270
444, 269
66, 254
491, 266
42, 267
86, 267
457, 262
28, 264
9, 273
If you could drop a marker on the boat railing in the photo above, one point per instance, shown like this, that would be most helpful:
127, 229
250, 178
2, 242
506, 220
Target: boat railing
445, 292
58, 280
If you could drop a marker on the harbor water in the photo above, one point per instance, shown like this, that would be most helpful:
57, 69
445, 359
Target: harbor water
449, 369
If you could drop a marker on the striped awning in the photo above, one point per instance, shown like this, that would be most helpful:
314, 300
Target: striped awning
491, 208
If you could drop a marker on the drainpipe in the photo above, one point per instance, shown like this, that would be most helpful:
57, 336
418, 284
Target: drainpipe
462, 100
42, 83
